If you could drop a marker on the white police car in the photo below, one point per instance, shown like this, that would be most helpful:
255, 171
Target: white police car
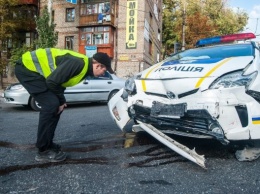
205, 92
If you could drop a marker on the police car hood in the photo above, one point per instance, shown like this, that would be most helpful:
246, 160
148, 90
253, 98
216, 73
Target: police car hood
192, 67
188, 74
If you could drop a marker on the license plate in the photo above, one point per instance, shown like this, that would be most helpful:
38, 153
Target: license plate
168, 110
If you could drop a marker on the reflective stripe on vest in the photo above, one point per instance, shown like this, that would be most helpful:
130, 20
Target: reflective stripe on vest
37, 65
50, 59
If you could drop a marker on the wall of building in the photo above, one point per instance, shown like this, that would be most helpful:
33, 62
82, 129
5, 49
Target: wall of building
62, 27
132, 61
126, 62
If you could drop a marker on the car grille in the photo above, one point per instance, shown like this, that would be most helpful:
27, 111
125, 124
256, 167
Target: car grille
174, 96
193, 123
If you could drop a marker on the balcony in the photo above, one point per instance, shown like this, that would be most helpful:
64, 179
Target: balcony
93, 19
28, 2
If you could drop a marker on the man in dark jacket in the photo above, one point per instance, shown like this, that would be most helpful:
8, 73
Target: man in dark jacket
45, 74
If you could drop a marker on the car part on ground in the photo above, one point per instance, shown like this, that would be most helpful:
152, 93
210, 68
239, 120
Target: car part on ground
248, 154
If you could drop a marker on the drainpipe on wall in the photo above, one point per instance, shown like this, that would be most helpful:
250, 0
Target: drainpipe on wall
116, 36
50, 10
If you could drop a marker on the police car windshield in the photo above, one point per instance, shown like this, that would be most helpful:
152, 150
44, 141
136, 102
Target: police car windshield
220, 51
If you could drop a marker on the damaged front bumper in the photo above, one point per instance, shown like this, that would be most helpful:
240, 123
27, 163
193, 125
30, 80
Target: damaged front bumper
193, 123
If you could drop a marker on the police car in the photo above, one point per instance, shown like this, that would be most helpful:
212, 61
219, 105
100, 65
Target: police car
211, 91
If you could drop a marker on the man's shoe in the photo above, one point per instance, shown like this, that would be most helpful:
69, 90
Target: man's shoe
51, 156
55, 147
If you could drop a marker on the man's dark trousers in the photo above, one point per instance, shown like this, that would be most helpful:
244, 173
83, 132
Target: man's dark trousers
35, 84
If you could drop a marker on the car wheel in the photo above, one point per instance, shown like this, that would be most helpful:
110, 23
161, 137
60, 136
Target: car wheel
112, 94
34, 104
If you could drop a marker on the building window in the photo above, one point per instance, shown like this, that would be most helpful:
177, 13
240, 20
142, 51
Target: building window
88, 8
52, 15
70, 14
150, 47
158, 57
96, 35
159, 34
28, 39
69, 42
150, 18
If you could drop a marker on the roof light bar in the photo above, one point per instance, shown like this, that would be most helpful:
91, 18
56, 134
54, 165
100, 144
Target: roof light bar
225, 39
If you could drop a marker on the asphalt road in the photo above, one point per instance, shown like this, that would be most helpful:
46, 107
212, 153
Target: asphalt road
104, 160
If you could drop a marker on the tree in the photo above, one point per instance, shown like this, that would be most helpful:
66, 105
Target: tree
190, 20
169, 35
7, 27
47, 36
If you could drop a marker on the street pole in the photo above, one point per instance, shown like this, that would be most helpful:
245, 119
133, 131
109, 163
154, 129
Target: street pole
50, 10
183, 25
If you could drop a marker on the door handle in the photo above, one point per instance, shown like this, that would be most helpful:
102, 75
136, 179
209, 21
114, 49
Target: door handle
109, 82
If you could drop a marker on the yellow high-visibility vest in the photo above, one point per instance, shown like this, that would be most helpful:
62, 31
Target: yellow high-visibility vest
43, 62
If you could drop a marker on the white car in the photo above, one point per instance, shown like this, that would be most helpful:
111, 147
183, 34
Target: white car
212, 91
92, 89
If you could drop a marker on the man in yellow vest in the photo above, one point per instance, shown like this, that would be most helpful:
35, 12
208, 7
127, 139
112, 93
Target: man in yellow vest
45, 74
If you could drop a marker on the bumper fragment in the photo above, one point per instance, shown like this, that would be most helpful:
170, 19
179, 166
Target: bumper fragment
174, 145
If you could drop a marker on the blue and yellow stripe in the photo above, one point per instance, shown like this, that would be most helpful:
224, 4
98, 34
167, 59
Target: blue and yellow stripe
256, 120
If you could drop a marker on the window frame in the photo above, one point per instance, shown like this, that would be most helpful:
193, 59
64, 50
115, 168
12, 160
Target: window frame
90, 35
72, 15
90, 8
71, 42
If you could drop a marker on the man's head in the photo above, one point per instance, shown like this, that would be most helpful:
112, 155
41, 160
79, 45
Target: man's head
101, 63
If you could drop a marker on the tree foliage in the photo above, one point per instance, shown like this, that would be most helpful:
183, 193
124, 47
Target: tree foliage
7, 27
190, 20
16, 53
47, 36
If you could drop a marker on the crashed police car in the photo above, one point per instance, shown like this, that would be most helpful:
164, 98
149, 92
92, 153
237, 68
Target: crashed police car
211, 91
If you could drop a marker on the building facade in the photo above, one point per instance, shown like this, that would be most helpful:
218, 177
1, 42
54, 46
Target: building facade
129, 31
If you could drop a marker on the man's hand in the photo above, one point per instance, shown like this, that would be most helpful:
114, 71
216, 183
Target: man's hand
61, 108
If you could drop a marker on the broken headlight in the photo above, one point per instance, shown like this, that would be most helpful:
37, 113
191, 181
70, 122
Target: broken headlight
130, 86
233, 79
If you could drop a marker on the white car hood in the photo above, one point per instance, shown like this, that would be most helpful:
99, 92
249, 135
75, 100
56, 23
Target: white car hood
192, 68
179, 76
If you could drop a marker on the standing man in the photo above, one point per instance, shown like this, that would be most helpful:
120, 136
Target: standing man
45, 74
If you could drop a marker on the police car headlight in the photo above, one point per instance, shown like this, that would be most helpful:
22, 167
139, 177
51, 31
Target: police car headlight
130, 86
234, 79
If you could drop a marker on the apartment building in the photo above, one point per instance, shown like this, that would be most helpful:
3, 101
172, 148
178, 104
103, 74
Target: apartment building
129, 31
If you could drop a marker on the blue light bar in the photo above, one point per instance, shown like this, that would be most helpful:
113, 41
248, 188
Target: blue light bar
206, 41
225, 39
